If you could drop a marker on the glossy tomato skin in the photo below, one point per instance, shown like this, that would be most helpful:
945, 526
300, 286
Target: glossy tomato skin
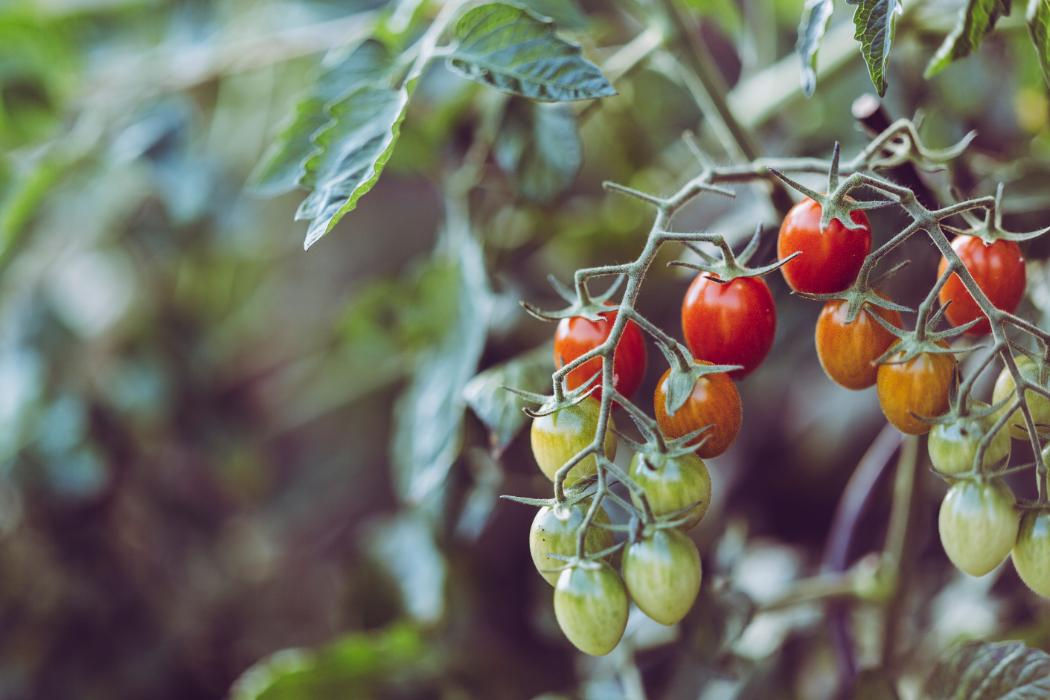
662, 572
1031, 552
998, 270
558, 436
731, 323
953, 446
591, 605
847, 351
978, 525
714, 401
576, 335
554, 530
831, 258
920, 386
673, 483
1039, 405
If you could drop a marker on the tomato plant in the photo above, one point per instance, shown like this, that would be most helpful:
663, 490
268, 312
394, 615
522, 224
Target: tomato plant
575, 336
729, 323
831, 258
1031, 552
554, 531
1006, 388
590, 604
672, 483
915, 389
559, 436
714, 401
848, 350
953, 445
978, 525
998, 268
662, 572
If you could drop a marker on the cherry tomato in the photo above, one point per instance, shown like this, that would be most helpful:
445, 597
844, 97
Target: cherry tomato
575, 336
731, 323
847, 351
662, 572
978, 525
590, 604
1039, 405
998, 270
953, 446
919, 386
559, 436
554, 530
830, 258
1031, 553
673, 483
714, 401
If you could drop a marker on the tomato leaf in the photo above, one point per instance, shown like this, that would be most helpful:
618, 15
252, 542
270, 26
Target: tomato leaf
990, 671
404, 548
511, 49
565, 13
976, 20
1038, 18
811, 28
539, 148
499, 409
874, 22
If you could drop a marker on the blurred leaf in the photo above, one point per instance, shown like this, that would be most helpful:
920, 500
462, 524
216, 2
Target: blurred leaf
565, 13
1038, 18
811, 28
990, 671
403, 546
354, 147
873, 684
283, 166
499, 409
976, 20
874, 21
720, 616
539, 148
429, 415
513, 50
358, 665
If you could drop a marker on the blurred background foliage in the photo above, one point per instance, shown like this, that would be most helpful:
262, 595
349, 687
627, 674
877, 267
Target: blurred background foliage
219, 451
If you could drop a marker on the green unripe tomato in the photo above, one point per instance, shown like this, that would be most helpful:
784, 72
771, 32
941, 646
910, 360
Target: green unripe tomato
953, 446
662, 572
554, 531
978, 525
559, 436
1039, 405
673, 483
1031, 553
590, 604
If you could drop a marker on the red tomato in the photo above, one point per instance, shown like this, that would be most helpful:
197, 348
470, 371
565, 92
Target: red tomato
831, 258
919, 387
714, 401
729, 323
575, 336
998, 270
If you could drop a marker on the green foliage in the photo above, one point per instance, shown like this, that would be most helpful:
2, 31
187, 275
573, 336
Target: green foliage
975, 21
1038, 18
539, 148
990, 671
811, 28
513, 50
875, 21
499, 409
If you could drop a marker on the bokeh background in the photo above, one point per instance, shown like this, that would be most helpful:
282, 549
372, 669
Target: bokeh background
219, 452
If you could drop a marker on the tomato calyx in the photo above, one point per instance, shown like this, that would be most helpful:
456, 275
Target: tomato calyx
922, 340
581, 302
989, 228
971, 425
857, 297
730, 266
548, 404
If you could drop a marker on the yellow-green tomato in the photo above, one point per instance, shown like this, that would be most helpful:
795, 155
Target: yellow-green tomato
1039, 405
662, 572
953, 446
672, 483
554, 531
590, 604
1031, 553
978, 525
559, 436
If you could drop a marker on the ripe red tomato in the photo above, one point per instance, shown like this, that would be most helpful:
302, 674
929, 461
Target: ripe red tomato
847, 351
730, 323
998, 270
575, 336
919, 386
830, 258
714, 401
